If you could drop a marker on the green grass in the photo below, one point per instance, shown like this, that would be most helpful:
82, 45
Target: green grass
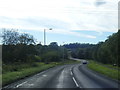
69, 62
104, 70
111, 66
10, 75
0, 80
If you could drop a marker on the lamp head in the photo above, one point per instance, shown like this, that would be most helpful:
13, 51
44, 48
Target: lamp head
50, 29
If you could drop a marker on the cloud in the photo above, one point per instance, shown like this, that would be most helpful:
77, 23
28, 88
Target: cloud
99, 3
39, 24
64, 16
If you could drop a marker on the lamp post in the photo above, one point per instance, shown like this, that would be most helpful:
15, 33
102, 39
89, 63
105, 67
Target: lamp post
45, 35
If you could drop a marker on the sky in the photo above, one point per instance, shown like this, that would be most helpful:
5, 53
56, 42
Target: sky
82, 21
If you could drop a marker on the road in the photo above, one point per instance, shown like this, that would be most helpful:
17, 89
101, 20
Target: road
66, 76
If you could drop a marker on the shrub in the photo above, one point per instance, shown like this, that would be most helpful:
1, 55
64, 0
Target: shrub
51, 56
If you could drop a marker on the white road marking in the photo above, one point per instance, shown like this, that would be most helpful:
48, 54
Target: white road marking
61, 78
21, 84
71, 73
75, 82
44, 75
30, 84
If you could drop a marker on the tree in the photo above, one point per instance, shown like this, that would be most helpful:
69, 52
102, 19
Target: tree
17, 47
51, 56
10, 37
105, 52
26, 39
53, 45
13, 37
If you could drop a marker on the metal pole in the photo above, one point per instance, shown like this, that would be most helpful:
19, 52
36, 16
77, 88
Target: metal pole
44, 37
63, 53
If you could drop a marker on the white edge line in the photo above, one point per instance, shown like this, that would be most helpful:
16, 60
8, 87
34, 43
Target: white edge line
21, 84
75, 82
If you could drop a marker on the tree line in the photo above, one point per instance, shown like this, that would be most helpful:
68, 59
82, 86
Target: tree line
106, 52
22, 48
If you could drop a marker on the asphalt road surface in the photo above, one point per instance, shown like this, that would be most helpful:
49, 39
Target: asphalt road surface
66, 76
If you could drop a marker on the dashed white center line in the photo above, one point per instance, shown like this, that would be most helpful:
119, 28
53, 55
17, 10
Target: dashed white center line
30, 84
44, 75
71, 73
75, 82
21, 84
74, 79
61, 80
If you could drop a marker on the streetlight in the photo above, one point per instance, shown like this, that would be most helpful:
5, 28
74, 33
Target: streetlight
45, 35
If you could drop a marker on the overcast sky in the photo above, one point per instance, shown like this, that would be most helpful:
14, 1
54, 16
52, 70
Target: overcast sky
83, 21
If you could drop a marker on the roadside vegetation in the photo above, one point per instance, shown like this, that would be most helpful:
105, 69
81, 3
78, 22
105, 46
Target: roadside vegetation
103, 69
107, 52
105, 55
22, 57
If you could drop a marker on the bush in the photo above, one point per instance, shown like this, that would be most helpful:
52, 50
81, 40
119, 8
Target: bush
51, 56
37, 58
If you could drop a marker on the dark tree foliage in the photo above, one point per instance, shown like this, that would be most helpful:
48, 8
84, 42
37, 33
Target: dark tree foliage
107, 52
17, 53
77, 45
82, 51
118, 47
51, 56
13, 37
21, 48
54, 45
26, 39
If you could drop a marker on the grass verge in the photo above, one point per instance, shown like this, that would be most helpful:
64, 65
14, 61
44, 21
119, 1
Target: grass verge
111, 66
11, 76
114, 74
